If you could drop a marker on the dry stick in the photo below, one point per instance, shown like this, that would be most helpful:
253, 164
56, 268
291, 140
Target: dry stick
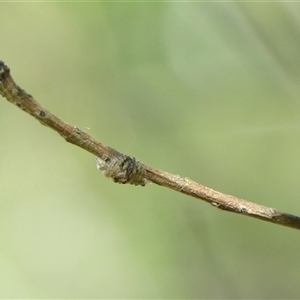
126, 169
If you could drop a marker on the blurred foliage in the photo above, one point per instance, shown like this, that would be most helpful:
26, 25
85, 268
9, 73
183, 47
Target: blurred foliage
204, 90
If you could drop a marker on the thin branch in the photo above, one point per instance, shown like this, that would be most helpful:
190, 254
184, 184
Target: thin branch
122, 168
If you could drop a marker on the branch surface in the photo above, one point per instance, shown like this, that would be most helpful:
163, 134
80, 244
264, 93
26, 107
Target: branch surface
123, 169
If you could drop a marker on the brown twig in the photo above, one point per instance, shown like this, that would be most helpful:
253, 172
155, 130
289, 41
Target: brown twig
126, 169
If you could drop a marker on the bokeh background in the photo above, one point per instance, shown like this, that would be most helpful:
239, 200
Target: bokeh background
205, 90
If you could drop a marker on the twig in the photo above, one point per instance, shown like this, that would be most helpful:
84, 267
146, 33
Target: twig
126, 169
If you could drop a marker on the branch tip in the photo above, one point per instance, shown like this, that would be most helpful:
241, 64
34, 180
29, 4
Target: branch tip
4, 70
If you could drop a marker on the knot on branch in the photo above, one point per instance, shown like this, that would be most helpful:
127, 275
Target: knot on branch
123, 169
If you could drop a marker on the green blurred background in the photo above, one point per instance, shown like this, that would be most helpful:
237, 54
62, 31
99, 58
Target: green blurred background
205, 90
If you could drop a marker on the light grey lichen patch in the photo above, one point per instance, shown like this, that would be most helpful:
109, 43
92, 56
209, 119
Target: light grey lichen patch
122, 169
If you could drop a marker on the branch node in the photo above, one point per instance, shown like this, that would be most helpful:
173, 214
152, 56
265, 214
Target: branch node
41, 114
